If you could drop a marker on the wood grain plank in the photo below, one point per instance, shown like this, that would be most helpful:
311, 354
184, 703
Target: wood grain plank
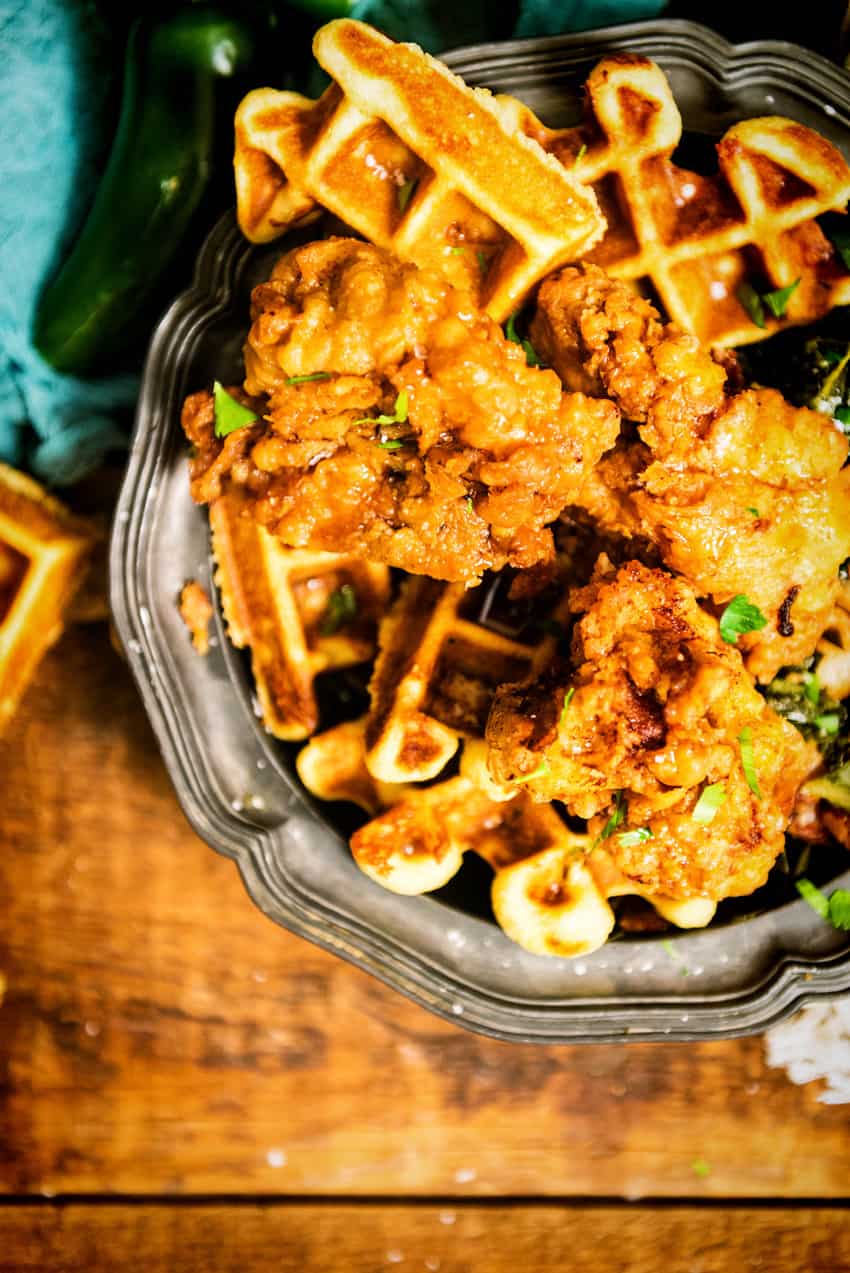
469, 1238
160, 1035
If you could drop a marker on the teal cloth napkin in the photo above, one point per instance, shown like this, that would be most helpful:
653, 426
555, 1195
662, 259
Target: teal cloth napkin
59, 65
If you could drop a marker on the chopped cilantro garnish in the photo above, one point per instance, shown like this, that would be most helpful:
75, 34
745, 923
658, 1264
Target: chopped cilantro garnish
745, 740
839, 909
540, 772
617, 816
230, 415
457, 251
701, 1168
814, 897
568, 698
582, 151
512, 334
510, 328
399, 415
829, 722
469, 504
839, 237
740, 616
405, 193
483, 263
631, 839
777, 301
341, 609
751, 301
812, 687
306, 380
842, 415
391, 444
530, 354
754, 512
710, 800
669, 949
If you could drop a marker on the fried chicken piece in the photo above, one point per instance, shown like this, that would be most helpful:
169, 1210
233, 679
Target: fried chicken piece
743, 493
400, 422
652, 711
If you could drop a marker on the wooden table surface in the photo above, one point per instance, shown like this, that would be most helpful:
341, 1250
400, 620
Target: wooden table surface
185, 1086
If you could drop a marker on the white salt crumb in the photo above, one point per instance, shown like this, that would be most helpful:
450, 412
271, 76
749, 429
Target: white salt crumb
829, 110
394, 1257
433, 1262
259, 975
815, 1044
48, 1193
447, 1217
465, 1174
717, 290
580, 970
455, 938
134, 646
92, 1029
276, 1158
769, 98
236, 806
261, 764
689, 190
457, 1009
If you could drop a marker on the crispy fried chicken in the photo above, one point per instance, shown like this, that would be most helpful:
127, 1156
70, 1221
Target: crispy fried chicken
399, 422
653, 720
741, 492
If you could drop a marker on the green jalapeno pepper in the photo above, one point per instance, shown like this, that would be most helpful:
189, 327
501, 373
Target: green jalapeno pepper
155, 178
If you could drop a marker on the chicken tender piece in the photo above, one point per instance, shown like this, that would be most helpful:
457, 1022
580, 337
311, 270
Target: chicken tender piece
742, 493
655, 732
399, 422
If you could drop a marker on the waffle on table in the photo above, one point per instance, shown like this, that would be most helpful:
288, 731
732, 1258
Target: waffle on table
551, 887
405, 153
44, 553
693, 239
301, 612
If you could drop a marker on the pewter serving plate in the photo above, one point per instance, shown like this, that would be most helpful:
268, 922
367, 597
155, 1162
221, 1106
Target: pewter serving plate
237, 785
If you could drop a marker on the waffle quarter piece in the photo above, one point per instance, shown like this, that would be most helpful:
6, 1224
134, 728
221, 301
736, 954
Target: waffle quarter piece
443, 651
298, 611
694, 239
419, 163
44, 553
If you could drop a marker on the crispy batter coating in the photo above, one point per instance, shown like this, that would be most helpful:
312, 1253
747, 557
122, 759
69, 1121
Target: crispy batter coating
657, 707
741, 492
477, 452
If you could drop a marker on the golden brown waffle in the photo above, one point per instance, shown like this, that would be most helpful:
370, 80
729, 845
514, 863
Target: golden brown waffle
44, 553
550, 888
443, 650
694, 239
300, 613
408, 155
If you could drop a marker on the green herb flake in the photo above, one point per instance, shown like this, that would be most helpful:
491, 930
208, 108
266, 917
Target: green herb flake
839, 237
469, 504
510, 328
399, 415
457, 251
670, 950
391, 444
531, 356
828, 723
540, 772
306, 380
740, 616
405, 193
777, 302
812, 687
754, 512
230, 415
751, 301
582, 151
839, 909
568, 698
701, 1168
812, 894
842, 415
710, 800
631, 839
745, 741
341, 609
483, 263
617, 816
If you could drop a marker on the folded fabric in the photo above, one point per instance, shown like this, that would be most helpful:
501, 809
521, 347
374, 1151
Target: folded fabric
59, 66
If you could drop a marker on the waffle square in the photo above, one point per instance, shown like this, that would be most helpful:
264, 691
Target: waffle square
694, 239
278, 602
44, 552
405, 153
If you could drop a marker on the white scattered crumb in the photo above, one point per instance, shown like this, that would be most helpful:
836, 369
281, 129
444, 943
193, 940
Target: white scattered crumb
394, 1257
447, 1217
457, 1009
92, 1029
432, 1262
465, 1174
259, 975
815, 1044
276, 1158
